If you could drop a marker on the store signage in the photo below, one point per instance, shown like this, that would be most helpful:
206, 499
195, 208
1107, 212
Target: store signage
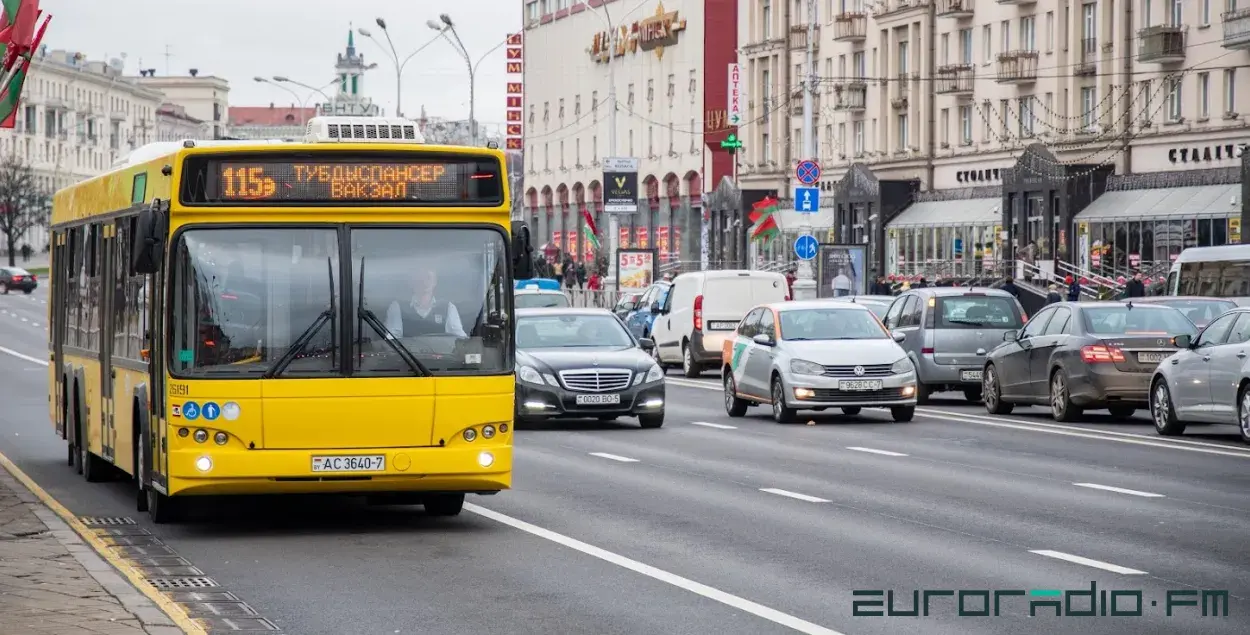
1207, 154
515, 138
735, 100
716, 121
649, 34
978, 176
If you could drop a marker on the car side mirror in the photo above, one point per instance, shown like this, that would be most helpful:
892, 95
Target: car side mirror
898, 337
647, 344
655, 307
763, 338
1011, 336
1183, 341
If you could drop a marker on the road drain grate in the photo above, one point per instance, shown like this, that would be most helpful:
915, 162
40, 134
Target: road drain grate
245, 624
122, 531
169, 572
180, 583
219, 609
105, 521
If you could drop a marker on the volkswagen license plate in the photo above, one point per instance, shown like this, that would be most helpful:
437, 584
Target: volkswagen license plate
721, 326
598, 400
859, 384
970, 375
362, 463
1151, 358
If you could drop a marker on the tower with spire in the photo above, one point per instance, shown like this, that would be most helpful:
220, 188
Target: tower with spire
350, 69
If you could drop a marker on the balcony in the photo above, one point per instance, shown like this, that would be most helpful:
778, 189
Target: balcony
798, 37
957, 9
902, 89
955, 79
1087, 57
1017, 67
796, 106
1237, 29
852, 96
850, 27
1161, 44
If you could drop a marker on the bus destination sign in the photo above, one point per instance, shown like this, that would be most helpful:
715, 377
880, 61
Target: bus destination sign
353, 181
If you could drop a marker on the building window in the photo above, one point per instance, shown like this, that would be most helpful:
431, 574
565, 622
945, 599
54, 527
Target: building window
1176, 13
840, 142
694, 85
531, 11
903, 140
987, 43
1204, 12
1089, 118
1028, 33
965, 46
672, 87
629, 100
577, 105
1147, 113
903, 58
1146, 18
766, 20
985, 120
857, 134
946, 126
1050, 31
767, 146
1004, 31
1174, 99
766, 96
1204, 97
561, 110
650, 93
965, 125
1230, 91
859, 70
1026, 117
1089, 20
945, 49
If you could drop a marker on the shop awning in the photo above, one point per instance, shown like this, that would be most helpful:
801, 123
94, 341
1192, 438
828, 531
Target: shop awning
1202, 201
977, 211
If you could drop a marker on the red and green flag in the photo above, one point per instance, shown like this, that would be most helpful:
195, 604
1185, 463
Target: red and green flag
20, 35
763, 219
589, 230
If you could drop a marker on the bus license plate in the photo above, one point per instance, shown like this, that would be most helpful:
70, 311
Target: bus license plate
1151, 358
860, 384
970, 375
363, 463
598, 400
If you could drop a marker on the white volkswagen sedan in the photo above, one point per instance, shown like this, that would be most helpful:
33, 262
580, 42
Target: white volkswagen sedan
816, 355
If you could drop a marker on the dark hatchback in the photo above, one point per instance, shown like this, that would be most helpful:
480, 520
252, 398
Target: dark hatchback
584, 364
1076, 356
17, 279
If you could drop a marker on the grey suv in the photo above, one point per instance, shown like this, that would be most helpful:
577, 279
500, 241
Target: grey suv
949, 331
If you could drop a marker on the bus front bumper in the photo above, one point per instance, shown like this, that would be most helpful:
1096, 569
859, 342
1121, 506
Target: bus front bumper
483, 469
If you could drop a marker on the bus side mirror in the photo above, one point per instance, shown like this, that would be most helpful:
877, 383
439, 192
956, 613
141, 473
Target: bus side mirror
147, 248
522, 252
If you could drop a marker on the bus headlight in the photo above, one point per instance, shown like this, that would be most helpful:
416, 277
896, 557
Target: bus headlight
201, 435
488, 431
204, 464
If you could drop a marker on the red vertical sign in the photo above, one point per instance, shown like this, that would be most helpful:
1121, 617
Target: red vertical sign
516, 92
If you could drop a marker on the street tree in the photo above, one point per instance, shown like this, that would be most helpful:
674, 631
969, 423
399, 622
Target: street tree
23, 204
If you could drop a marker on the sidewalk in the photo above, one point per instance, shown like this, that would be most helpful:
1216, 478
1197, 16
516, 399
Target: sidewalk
53, 583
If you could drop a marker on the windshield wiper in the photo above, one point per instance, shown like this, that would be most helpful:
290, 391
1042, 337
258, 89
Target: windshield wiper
309, 333
365, 316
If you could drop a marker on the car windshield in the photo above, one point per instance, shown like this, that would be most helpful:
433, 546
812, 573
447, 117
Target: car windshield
1200, 312
977, 311
269, 302
571, 331
1138, 320
830, 324
541, 300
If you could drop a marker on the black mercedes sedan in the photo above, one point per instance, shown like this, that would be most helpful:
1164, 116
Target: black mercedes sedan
584, 364
1076, 356
17, 279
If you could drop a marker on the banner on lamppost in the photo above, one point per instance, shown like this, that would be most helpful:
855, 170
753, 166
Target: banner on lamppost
620, 185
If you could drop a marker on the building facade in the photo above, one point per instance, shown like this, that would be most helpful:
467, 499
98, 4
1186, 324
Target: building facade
655, 55
76, 118
1033, 129
206, 98
174, 124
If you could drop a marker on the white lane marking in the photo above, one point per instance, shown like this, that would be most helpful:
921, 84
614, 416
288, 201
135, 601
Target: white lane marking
875, 451
794, 495
728, 599
35, 360
1120, 490
1091, 434
690, 383
614, 457
25, 320
709, 424
1097, 564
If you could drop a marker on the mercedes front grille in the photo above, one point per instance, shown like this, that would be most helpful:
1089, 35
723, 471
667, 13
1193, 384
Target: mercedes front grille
596, 379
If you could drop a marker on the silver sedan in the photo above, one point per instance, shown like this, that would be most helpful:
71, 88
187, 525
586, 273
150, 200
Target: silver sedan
1208, 380
815, 355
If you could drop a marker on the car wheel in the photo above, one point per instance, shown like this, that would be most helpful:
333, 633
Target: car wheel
903, 414
1243, 414
851, 410
1162, 412
688, 366
1121, 412
992, 395
4, 289
781, 413
734, 406
655, 356
1061, 408
28, 291
922, 393
651, 421
443, 504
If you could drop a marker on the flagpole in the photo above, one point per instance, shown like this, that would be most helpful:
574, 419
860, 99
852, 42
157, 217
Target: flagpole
805, 284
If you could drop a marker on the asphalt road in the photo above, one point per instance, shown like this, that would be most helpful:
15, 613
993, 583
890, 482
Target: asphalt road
716, 525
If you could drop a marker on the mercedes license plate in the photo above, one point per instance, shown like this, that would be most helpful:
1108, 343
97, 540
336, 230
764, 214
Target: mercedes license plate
970, 375
360, 463
1151, 358
722, 326
860, 384
598, 400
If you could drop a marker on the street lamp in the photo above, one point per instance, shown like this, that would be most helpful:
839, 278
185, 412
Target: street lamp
276, 81
448, 25
399, 64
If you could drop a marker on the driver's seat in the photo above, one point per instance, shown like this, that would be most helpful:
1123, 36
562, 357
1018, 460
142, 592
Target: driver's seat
527, 336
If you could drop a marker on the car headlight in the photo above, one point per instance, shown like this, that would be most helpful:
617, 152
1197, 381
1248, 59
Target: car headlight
804, 367
655, 374
529, 375
902, 367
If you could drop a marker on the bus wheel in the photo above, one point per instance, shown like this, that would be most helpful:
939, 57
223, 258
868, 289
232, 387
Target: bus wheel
161, 508
444, 504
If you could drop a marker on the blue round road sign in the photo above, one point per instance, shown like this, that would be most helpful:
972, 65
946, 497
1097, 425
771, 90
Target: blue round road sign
808, 172
805, 247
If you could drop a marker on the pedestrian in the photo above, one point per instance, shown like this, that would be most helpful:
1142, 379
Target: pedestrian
1009, 285
1135, 288
595, 285
1052, 294
1074, 289
581, 275
26, 253
791, 276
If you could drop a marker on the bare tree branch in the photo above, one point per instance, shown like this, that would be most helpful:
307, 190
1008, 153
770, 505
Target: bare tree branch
23, 204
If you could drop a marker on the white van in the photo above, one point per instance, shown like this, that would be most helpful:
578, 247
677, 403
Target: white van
703, 308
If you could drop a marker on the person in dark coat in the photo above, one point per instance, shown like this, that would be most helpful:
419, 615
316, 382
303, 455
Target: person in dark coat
921, 283
1052, 295
1135, 288
1074, 289
1009, 285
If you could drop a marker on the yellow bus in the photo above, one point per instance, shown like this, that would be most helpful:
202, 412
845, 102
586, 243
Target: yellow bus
323, 316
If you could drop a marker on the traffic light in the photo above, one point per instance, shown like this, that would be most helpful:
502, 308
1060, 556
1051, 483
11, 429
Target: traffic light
731, 143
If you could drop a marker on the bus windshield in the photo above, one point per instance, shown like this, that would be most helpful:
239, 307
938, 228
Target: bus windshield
271, 302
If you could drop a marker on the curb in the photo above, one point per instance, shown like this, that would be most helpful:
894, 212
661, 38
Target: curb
158, 614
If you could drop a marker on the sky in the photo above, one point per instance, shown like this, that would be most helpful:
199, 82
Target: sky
241, 39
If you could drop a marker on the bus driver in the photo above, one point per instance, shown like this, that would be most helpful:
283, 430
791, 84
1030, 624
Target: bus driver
424, 314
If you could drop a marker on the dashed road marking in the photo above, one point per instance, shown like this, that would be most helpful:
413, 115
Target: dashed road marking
875, 451
614, 457
709, 424
1097, 564
1119, 490
794, 495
